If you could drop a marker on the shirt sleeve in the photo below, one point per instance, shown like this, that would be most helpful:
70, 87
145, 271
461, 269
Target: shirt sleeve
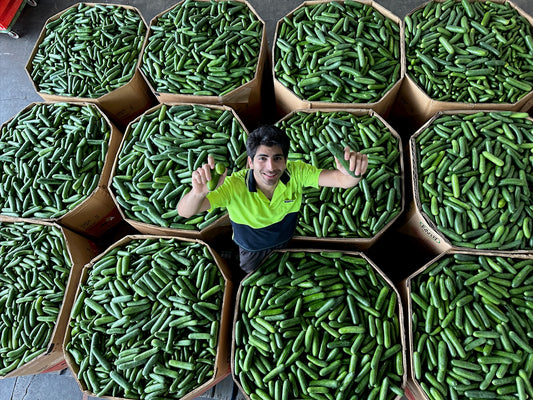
216, 200
305, 173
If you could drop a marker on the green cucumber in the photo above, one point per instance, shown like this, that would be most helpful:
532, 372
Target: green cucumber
338, 151
216, 173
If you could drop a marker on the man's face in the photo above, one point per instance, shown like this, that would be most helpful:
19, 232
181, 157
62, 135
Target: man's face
268, 165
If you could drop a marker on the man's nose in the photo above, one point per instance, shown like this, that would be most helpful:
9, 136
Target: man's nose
269, 163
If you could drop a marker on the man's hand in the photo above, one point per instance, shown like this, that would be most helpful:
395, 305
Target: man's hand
202, 175
355, 161
350, 169
195, 201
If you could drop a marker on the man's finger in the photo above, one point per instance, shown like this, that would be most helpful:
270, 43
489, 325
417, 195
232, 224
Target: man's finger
211, 161
206, 169
362, 164
197, 178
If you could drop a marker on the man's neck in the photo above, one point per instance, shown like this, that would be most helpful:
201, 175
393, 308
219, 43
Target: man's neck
268, 191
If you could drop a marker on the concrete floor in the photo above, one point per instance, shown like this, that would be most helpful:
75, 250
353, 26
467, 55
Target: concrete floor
16, 92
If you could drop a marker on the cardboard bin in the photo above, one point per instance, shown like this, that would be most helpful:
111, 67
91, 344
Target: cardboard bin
286, 98
428, 229
257, 301
474, 307
79, 250
97, 213
317, 140
245, 99
418, 106
175, 167
221, 366
122, 104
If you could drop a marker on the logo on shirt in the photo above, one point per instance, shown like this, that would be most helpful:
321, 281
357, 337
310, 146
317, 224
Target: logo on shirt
289, 201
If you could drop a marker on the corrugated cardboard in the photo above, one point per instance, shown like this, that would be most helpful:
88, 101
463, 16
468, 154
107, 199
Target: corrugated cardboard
349, 243
245, 99
414, 103
351, 253
221, 225
287, 100
97, 213
424, 230
122, 104
416, 222
222, 361
80, 251
413, 390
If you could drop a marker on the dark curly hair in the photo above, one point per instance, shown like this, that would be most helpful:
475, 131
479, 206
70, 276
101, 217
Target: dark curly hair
267, 135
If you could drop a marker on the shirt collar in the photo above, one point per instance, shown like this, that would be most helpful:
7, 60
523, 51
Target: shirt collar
252, 185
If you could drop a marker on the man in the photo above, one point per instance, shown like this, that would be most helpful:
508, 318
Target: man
263, 201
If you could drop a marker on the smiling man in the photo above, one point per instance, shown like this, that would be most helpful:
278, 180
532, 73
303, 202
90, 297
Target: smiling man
263, 201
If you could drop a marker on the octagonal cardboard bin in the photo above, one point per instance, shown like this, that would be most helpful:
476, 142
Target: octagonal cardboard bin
293, 336
210, 36
60, 170
157, 157
465, 322
167, 318
328, 52
357, 216
448, 58
40, 287
471, 182
62, 70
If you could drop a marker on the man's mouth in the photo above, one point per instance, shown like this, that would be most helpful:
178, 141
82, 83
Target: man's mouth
269, 175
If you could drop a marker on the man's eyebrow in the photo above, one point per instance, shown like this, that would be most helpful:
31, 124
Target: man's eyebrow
266, 155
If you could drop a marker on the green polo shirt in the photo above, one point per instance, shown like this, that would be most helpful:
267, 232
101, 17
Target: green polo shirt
259, 223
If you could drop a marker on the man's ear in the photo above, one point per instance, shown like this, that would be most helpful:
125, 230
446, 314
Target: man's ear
250, 162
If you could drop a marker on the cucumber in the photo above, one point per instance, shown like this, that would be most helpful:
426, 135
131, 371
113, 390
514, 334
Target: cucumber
216, 173
338, 151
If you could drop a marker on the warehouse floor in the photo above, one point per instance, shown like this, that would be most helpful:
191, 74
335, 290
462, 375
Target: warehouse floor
17, 92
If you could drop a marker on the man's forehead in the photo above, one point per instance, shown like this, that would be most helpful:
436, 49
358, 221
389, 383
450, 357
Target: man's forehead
269, 151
